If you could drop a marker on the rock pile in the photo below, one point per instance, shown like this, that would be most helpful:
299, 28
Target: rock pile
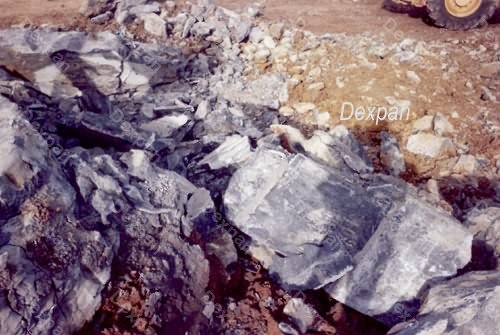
127, 166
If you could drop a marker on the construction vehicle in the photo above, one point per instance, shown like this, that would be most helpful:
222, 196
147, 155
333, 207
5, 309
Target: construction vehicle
451, 14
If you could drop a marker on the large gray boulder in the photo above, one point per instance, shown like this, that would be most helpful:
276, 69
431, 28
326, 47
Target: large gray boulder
65, 64
465, 305
52, 268
369, 239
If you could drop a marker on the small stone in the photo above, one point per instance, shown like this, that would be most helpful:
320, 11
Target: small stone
489, 70
202, 110
287, 329
286, 111
301, 314
154, 25
467, 164
304, 107
201, 29
262, 55
255, 9
429, 145
256, 35
390, 154
102, 18
322, 118
424, 123
268, 42
340, 82
442, 125
413, 77
276, 30
432, 186
487, 95
316, 87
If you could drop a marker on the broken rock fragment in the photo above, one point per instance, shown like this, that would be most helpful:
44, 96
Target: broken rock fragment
468, 304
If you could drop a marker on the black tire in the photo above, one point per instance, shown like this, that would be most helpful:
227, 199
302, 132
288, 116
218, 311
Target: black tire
442, 18
396, 6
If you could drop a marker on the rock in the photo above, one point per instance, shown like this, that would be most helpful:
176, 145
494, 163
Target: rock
337, 149
285, 328
140, 10
304, 107
276, 30
235, 150
262, 55
390, 154
489, 70
154, 25
92, 8
316, 87
102, 18
201, 29
466, 164
286, 111
337, 243
301, 314
464, 305
485, 225
411, 75
46, 252
425, 123
487, 95
429, 145
254, 9
442, 126
202, 110
166, 125
265, 91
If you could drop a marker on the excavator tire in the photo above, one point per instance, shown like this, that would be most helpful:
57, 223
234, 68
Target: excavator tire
461, 14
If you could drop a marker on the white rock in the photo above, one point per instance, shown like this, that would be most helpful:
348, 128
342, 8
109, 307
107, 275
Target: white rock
429, 145
262, 55
304, 107
202, 110
442, 126
301, 314
269, 42
424, 123
467, 164
154, 25
413, 77
286, 111
316, 87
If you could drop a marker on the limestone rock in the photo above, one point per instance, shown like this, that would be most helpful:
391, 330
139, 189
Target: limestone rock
485, 225
328, 241
464, 305
429, 145
301, 314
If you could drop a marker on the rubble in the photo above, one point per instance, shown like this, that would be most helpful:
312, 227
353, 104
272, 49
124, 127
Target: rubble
137, 174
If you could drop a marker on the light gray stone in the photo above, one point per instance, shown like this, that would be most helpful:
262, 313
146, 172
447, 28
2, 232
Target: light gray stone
301, 314
390, 154
154, 24
442, 126
328, 241
234, 150
429, 145
464, 305
485, 225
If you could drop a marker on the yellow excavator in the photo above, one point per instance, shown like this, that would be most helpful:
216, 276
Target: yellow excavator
451, 14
